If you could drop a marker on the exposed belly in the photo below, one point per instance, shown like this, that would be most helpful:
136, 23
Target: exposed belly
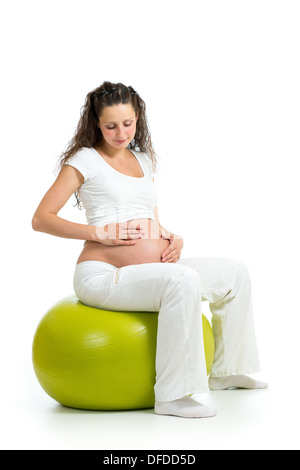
147, 249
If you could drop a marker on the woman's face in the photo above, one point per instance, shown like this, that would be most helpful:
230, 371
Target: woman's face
118, 125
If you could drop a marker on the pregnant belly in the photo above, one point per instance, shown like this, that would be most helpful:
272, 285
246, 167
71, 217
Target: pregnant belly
146, 250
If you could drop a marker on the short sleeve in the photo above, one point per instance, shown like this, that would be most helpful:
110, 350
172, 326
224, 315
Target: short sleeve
81, 161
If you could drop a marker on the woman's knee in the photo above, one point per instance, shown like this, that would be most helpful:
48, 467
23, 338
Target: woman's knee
186, 277
241, 275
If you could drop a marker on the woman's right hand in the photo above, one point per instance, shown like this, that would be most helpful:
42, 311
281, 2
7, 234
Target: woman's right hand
119, 234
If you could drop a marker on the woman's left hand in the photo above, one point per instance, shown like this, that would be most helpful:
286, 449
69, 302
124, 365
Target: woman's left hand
172, 253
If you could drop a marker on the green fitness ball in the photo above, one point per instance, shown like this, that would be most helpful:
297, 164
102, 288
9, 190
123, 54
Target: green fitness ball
94, 359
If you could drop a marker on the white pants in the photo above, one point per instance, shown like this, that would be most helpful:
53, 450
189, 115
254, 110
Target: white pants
176, 291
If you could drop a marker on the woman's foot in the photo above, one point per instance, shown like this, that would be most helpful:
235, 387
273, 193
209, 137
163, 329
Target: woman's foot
185, 408
235, 381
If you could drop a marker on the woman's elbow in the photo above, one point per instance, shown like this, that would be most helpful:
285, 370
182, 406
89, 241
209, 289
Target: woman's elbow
41, 220
35, 223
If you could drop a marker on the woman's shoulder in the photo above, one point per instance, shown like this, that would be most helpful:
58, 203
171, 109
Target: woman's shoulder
84, 160
146, 160
142, 155
83, 152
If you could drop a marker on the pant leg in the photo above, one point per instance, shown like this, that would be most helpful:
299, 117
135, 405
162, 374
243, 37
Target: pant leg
226, 286
170, 289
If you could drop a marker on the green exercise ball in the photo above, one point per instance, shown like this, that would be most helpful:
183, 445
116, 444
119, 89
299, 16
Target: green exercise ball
94, 359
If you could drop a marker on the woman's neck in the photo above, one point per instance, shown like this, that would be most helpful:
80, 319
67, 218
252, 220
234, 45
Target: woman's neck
112, 152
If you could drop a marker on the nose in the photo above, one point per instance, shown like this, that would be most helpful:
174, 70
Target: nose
120, 135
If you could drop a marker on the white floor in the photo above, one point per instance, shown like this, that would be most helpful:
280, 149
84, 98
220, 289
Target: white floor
259, 419
246, 420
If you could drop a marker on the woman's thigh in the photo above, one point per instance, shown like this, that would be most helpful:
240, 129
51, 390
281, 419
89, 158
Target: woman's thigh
140, 287
218, 275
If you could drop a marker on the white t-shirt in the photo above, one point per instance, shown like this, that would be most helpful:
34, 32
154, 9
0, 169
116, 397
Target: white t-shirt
109, 196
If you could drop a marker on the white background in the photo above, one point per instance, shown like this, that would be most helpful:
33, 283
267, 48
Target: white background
221, 82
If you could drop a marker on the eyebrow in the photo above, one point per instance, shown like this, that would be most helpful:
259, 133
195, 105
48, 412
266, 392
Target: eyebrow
112, 122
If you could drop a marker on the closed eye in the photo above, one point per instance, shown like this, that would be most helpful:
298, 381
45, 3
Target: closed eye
126, 125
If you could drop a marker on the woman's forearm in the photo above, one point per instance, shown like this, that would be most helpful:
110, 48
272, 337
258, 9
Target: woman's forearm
169, 235
59, 227
165, 233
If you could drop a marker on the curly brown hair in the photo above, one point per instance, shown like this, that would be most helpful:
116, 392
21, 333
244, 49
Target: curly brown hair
88, 134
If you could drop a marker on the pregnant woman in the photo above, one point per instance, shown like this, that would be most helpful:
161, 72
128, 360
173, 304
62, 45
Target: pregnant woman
130, 262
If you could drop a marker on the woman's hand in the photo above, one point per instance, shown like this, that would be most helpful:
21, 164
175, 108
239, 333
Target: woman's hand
172, 253
119, 234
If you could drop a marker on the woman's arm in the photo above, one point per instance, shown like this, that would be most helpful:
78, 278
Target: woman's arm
45, 218
172, 253
164, 232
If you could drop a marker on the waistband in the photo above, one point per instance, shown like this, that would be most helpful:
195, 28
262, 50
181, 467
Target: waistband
91, 267
86, 269
95, 263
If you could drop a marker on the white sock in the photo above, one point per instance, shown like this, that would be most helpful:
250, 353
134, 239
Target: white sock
235, 381
185, 408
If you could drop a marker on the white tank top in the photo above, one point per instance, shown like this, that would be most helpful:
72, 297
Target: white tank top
110, 196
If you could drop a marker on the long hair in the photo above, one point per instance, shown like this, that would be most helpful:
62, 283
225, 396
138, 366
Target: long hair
88, 134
